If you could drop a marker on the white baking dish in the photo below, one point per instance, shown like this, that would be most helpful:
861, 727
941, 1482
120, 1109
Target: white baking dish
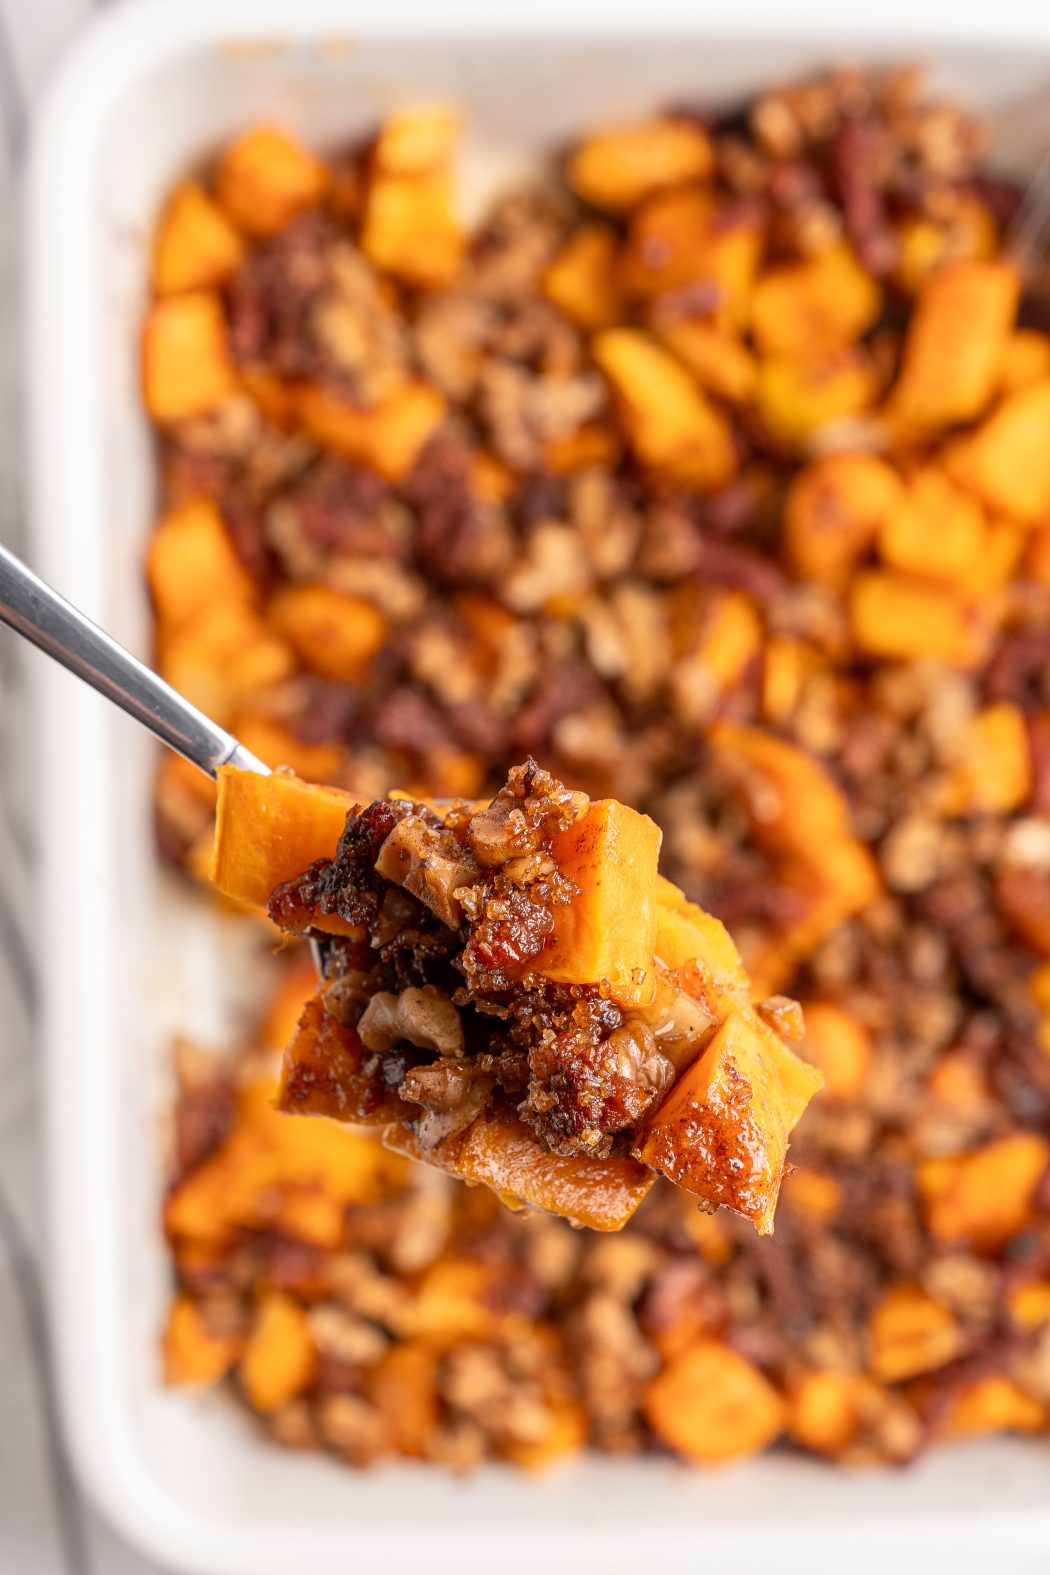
128, 961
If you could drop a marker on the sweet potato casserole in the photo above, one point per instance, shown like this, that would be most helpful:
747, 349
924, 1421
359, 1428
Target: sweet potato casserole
712, 471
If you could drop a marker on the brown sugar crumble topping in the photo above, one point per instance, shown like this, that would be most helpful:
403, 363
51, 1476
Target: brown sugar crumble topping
711, 472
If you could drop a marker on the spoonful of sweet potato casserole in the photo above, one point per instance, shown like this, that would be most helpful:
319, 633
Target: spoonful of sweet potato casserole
517, 996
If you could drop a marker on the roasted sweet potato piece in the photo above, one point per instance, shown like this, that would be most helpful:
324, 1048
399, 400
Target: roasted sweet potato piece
195, 245
193, 1353
955, 348
993, 1404
684, 240
269, 829
502, 1153
322, 1074
296, 986
797, 398
335, 634
616, 166
937, 532
994, 773
896, 617
403, 1386
1006, 461
410, 229
416, 139
223, 657
191, 564
564, 1434
276, 745
266, 178
969, 232
839, 1045
583, 279
386, 437
984, 1196
1026, 361
909, 1333
722, 1131
712, 1405
794, 805
828, 1409
668, 420
835, 508
699, 950
186, 366
803, 310
608, 931
719, 361
279, 1359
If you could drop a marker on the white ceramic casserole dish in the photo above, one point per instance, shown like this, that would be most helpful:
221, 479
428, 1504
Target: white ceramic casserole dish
150, 88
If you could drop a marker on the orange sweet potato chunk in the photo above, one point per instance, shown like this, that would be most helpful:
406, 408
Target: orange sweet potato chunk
718, 360
993, 1404
195, 246
668, 419
835, 508
410, 229
279, 1359
403, 1386
938, 532
501, 1153
712, 1405
186, 366
796, 398
804, 310
1006, 460
335, 634
839, 1045
268, 829
386, 437
897, 617
722, 1131
956, 344
222, 657
266, 177
583, 280
994, 772
793, 804
191, 564
828, 1409
321, 1073
193, 1354
608, 931
686, 237
616, 166
909, 1333
985, 1196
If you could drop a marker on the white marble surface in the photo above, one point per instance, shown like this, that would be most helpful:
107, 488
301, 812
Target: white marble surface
45, 1526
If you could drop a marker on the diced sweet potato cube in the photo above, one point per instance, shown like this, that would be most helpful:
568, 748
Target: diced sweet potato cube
322, 1074
984, 1196
898, 618
279, 1359
1027, 359
994, 773
840, 880
839, 1046
728, 640
410, 229
583, 281
970, 231
718, 360
608, 931
195, 245
266, 178
1006, 461
797, 398
793, 804
403, 1386
686, 240
387, 437
835, 507
275, 744
222, 657
193, 1354
828, 1408
786, 662
722, 1131
335, 634
564, 1434
276, 398
956, 344
993, 1404
296, 986
270, 829
812, 1194
186, 366
909, 1333
804, 310
1029, 1304
417, 139
501, 1153
616, 166
1022, 895
596, 443
712, 1405
699, 949
666, 416
191, 563
937, 531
